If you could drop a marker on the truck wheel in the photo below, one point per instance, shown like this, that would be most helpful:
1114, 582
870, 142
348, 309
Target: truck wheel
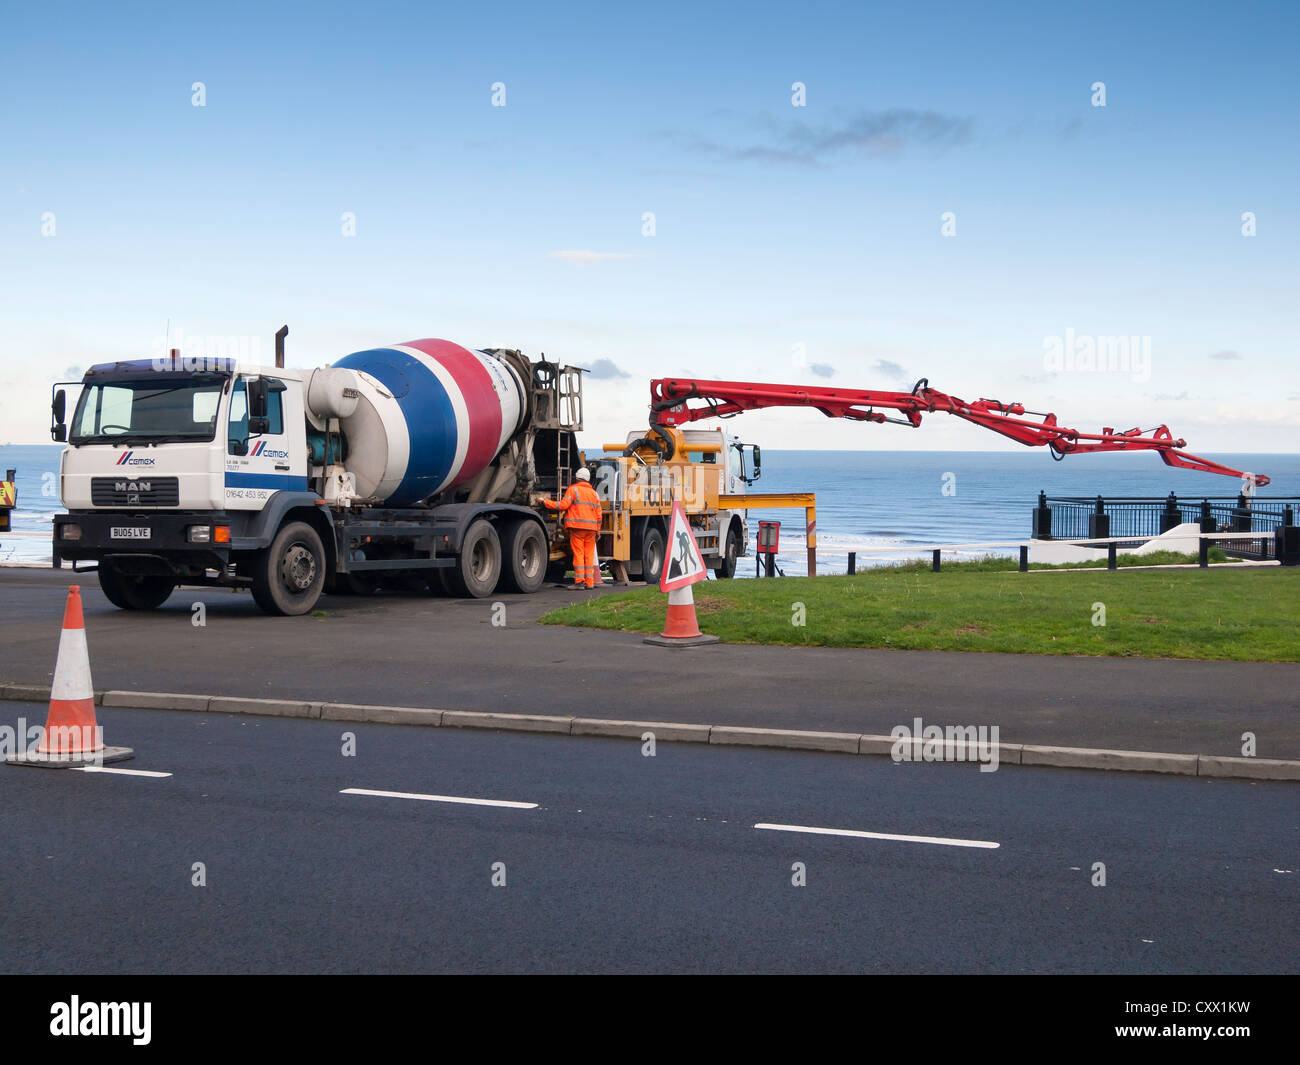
289, 575
523, 556
652, 554
478, 567
730, 553
134, 593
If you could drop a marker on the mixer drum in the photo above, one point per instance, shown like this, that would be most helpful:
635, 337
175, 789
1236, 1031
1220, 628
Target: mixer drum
441, 417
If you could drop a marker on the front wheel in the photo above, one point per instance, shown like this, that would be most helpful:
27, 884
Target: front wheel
134, 593
730, 553
652, 555
289, 575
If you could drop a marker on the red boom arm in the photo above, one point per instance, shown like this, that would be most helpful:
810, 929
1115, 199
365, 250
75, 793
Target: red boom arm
670, 405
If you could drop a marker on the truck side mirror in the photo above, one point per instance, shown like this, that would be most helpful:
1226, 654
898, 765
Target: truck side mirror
758, 462
256, 401
58, 408
257, 426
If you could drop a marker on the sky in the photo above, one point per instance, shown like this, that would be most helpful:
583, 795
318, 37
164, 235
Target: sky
854, 194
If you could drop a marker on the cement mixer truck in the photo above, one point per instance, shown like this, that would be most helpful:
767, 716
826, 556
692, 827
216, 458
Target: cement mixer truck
418, 464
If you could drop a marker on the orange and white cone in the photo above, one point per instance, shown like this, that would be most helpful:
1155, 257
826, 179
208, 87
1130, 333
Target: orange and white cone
72, 735
680, 628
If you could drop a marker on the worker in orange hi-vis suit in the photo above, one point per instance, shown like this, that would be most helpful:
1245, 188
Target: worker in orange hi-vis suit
581, 508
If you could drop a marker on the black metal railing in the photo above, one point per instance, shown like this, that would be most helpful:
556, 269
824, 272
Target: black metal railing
1076, 518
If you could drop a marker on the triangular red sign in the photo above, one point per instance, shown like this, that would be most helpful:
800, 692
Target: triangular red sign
683, 563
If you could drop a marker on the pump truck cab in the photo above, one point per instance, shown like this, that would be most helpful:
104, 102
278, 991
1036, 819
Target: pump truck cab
415, 465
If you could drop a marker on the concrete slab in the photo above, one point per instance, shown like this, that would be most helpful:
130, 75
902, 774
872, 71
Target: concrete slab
666, 731
509, 722
157, 700
789, 739
384, 715
267, 707
1088, 758
1248, 768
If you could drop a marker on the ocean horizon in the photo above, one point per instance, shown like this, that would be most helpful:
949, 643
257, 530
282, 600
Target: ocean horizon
883, 505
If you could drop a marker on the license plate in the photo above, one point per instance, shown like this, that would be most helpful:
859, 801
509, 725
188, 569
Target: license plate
129, 532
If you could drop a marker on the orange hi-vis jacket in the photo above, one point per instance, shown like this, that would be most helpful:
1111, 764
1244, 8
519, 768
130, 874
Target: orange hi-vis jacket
581, 507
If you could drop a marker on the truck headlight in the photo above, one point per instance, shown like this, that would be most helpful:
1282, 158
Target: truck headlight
68, 531
200, 534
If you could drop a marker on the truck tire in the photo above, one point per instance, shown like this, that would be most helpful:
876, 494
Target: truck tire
134, 593
289, 575
730, 553
478, 566
524, 554
652, 554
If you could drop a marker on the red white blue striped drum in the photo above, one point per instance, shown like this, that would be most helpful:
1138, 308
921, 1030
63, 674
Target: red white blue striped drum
442, 415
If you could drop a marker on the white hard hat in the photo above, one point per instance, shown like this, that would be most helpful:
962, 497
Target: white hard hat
583, 474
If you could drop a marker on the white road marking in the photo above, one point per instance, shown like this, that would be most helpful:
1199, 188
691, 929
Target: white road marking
122, 772
982, 844
441, 798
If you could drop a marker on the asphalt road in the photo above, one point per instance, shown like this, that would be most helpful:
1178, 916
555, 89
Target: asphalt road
626, 862
447, 654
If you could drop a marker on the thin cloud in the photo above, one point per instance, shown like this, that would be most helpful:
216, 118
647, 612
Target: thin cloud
604, 369
889, 369
1169, 396
866, 133
822, 369
583, 256
1225, 355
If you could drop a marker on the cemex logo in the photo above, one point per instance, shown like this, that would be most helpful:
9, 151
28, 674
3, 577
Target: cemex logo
128, 459
267, 452
102, 1018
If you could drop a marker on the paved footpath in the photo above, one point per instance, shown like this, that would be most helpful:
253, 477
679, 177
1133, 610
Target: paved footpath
448, 654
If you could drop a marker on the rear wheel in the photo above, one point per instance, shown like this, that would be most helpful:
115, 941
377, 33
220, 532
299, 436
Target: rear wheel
289, 575
730, 553
523, 556
134, 593
652, 554
478, 567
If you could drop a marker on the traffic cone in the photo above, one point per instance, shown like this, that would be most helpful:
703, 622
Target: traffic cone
72, 736
680, 628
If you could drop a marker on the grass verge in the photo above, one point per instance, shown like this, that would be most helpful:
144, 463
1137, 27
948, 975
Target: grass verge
1238, 614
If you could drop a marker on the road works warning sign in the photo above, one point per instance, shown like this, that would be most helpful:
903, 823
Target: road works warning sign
683, 563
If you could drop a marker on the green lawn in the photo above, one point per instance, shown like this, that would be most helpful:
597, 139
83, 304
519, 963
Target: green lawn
1227, 613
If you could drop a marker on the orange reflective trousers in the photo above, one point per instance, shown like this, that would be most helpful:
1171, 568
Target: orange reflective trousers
585, 571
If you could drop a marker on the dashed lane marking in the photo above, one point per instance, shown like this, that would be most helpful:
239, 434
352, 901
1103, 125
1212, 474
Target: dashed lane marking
982, 844
441, 798
120, 772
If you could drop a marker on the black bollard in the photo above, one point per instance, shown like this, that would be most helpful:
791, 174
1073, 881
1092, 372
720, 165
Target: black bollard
1099, 521
1171, 516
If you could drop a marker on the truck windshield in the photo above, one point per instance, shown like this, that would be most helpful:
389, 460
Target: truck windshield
147, 411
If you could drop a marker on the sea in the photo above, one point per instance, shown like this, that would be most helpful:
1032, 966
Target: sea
883, 505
